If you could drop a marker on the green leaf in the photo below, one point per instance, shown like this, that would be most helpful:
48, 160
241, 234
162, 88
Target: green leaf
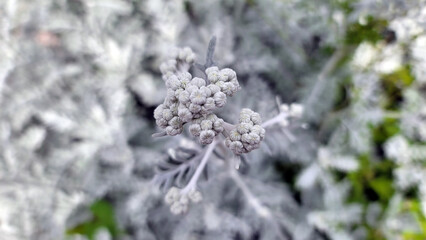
371, 31
393, 85
103, 217
413, 236
385, 130
383, 187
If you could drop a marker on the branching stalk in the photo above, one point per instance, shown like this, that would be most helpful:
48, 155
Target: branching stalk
193, 182
263, 211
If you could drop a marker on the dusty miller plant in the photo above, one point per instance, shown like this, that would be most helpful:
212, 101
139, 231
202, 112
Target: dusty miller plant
194, 101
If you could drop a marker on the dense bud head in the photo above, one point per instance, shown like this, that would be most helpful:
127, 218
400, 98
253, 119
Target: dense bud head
199, 82
185, 54
184, 114
219, 99
243, 128
184, 97
158, 112
166, 117
191, 88
161, 122
198, 97
206, 128
206, 90
236, 146
207, 136
256, 119
211, 70
296, 110
167, 114
179, 201
234, 135
171, 131
229, 73
175, 122
172, 82
195, 129
212, 74
258, 130
194, 108
172, 195
247, 135
168, 67
191, 100
225, 79
245, 118
218, 125
214, 88
184, 77
195, 196
206, 124
178, 208
210, 104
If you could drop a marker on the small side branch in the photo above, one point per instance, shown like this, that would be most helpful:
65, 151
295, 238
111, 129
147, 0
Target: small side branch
159, 134
193, 182
264, 212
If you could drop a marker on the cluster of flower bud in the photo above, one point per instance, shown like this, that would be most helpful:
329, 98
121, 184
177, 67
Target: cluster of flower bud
166, 116
198, 100
181, 60
193, 99
225, 79
293, 110
206, 128
247, 134
179, 201
176, 84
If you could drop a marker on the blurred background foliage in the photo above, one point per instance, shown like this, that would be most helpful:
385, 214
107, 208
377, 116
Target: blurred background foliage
79, 81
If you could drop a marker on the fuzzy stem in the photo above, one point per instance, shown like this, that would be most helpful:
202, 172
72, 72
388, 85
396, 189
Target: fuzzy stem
175, 171
227, 129
227, 126
264, 212
193, 182
159, 134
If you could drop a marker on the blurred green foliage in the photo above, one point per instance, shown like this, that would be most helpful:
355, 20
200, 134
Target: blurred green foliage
346, 6
393, 84
103, 217
414, 207
373, 181
388, 128
371, 30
